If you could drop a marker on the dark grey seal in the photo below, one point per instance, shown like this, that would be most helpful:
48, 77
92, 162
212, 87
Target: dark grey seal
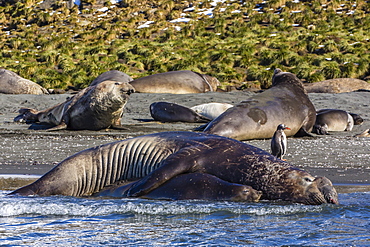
93, 108
176, 82
256, 118
156, 158
171, 112
191, 186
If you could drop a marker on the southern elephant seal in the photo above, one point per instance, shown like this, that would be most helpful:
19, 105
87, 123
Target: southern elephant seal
176, 82
11, 83
256, 118
171, 112
93, 108
193, 186
156, 158
332, 120
112, 75
337, 85
211, 110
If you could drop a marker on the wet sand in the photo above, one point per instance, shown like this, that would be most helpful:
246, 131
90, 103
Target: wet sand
27, 150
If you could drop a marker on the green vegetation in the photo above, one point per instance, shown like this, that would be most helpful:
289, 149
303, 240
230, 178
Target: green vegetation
243, 42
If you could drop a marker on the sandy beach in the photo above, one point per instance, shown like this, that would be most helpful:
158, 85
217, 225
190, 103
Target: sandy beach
27, 150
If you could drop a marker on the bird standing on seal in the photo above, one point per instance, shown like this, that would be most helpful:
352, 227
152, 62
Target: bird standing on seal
278, 141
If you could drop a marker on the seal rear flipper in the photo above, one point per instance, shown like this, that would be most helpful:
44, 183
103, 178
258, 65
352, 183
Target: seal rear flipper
303, 132
61, 126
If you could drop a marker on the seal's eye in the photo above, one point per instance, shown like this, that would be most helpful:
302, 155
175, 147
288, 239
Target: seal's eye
246, 191
117, 83
308, 179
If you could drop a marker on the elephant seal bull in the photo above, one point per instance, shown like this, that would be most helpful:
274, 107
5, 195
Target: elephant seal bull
333, 120
176, 82
256, 118
193, 186
93, 108
171, 112
156, 158
11, 83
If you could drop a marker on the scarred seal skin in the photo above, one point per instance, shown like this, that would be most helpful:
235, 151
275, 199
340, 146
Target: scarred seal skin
193, 186
256, 118
93, 108
176, 82
156, 158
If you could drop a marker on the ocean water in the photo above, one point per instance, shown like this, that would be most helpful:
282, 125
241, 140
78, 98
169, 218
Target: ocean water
63, 221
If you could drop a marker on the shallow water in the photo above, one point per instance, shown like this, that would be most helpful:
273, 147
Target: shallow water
62, 221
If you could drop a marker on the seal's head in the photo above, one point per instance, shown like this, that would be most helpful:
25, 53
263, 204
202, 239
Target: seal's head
309, 190
246, 193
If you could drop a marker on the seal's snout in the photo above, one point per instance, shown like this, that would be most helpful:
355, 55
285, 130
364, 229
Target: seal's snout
130, 91
327, 189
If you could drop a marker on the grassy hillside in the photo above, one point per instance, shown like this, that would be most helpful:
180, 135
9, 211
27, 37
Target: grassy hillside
242, 42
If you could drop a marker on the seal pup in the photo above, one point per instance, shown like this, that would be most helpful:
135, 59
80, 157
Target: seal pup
156, 158
192, 186
12, 83
333, 120
93, 108
171, 112
112, 75
256, 118
279, 142
211, 110
176, 82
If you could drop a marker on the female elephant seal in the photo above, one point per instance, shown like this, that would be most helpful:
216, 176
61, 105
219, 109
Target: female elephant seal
171, 112
193, 186
334, 120
11, 83
256, 118
93, 108
176, 82
156, 158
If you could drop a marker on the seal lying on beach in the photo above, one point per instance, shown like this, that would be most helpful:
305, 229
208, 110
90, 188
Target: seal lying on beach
176, 82
156, 158
112, 75
171, 112
256, 118
11, 83
193, 186
93, 108
334, 120
211, 110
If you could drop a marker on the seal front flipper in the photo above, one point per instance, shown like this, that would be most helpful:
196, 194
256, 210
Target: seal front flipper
177, 163
61, 126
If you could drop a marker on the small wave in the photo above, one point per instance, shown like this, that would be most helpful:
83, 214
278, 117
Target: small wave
69, 206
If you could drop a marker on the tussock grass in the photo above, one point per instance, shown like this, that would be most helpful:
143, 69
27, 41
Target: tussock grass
241, 42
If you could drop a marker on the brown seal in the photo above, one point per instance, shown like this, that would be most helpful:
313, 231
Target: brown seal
193, 186
334, 120
156, 158
112, 75
93, 108
11, 83
338, 85
256, 118
176, 82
